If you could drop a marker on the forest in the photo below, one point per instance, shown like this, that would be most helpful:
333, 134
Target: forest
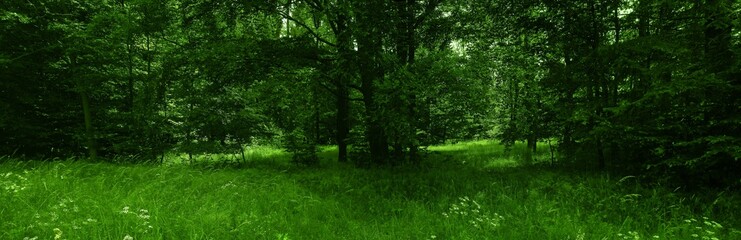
378, 119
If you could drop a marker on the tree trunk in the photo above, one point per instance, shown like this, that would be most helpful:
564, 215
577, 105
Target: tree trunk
567, 140
597, 90
532, 144
130, 64
369, 59
411, 49
644, 21
344, 43
343, 124
89, 137
600, 155
553, 154
241, 151
376, 135
567, 144
130, 78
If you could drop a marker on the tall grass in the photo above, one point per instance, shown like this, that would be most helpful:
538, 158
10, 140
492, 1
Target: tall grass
471, 190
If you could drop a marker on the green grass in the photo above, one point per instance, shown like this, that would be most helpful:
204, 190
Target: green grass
469, 190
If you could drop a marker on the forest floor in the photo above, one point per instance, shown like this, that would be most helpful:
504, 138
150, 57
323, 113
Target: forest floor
470, 190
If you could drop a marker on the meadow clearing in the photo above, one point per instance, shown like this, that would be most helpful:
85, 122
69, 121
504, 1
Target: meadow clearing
472, 190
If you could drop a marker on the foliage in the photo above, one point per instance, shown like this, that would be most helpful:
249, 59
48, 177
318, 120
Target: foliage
644, 87
621, 84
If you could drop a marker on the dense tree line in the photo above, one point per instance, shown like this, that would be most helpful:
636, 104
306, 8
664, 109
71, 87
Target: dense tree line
617, 84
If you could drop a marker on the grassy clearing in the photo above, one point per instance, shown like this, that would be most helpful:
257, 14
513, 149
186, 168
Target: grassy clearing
464, 191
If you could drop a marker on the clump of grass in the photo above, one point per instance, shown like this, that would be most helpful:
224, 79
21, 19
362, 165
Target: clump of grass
470, 190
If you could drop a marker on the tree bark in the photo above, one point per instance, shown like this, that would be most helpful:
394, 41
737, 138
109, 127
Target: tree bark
411, 49
343, 124
369, 59
344, 43
89, 137
130, 63
644, 22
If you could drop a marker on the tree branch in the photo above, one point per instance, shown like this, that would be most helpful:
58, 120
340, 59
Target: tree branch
316, 5
355, 86
431, 6
162, 36
303, 25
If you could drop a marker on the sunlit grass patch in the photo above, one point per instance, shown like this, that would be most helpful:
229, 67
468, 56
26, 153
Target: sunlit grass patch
486, 145
250, 154
502, 163
492, 154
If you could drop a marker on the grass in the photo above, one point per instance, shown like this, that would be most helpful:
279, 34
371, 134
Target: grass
472, 190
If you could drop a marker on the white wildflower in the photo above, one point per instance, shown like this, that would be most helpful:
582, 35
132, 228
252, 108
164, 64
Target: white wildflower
57, 233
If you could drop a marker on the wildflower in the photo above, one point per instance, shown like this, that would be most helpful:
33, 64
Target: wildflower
57, 234
125, 210
143, 214
127, 237
228, 184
